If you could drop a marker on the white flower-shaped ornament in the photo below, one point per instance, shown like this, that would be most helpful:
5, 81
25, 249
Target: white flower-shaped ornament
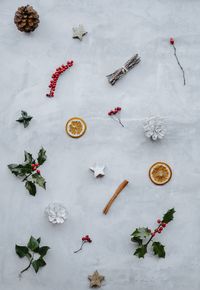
56, 213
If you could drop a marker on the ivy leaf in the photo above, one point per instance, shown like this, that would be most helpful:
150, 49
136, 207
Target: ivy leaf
28, 157
43, 251
168, 216
33, 244
39, 180
21, 251
158, 249
37, 264
41, 156
30, 186
141, 233
141, 251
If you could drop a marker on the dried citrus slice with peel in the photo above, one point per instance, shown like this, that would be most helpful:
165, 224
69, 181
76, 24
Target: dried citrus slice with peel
160, 173
75, 127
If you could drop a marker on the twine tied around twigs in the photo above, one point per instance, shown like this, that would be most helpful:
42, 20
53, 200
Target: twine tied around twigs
112, 78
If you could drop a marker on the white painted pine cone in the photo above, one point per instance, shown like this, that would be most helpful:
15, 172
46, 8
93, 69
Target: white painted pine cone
56, 213
154, 128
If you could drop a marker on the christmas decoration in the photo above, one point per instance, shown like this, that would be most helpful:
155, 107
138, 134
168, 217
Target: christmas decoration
154, 128
96, 279
160, 173
98, 170
114, 77
79, 32
24, 119
56, 213
115, 195
26, 18
143, 236
85, 239
172, 42
115, 115
55, 76
33, 248
29, 171
76, 127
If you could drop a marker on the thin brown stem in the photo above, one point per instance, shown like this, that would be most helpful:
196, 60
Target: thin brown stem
184, 81
20, 274
80, 247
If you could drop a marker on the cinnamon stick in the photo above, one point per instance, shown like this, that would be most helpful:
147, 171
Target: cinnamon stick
115, 195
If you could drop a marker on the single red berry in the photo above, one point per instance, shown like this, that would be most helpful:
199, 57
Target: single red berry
158, 221
160, 229
33, 165
171, 40
38, 171
164, 225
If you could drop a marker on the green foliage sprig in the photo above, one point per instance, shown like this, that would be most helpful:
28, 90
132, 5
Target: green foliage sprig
24, 119
33, 248
143, 236
29, 172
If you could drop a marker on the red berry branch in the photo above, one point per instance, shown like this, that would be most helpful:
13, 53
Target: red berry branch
115, 115
55, 76
172, 43
143, 236
85, 240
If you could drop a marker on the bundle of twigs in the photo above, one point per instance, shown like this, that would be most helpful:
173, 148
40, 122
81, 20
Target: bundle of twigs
112, 78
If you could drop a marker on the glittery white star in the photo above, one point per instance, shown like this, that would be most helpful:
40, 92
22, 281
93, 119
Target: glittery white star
98, 170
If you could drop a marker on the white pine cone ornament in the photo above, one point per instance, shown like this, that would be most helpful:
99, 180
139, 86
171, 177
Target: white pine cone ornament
56, 213
154, 128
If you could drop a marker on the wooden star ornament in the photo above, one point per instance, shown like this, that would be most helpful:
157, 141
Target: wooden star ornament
98, 170
79, 32
96, 279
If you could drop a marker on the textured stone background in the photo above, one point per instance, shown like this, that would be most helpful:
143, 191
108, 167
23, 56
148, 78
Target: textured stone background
116, 30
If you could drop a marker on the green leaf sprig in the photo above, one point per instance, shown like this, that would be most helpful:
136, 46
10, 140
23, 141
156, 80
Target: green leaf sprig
29, 172
24, 119
143, 237
30, 251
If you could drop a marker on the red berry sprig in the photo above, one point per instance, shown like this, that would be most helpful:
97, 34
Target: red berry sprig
85, 239
172, 42
55, 76
35, 166
115, 115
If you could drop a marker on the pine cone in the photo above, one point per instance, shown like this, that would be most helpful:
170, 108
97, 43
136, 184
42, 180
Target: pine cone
26, 18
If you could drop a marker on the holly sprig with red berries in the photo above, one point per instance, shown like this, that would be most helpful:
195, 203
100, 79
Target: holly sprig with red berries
115, 115
144, 236
172, 42
85, 239
29, 172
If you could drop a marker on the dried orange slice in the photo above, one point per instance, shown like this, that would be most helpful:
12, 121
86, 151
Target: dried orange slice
75, 127
160, 173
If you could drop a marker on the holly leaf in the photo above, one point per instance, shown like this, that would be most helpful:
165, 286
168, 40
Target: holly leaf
141, 251
168, 216
20, 169
21, 251
136, 240
39, 240
141, 233
37, 264
43, 251
25, 119
39, 180
33, 244
30, 186
41, 156
158, 249
28, 157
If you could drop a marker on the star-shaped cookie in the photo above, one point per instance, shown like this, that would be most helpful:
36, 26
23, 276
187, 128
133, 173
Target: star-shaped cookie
95, 279
79, 32
98, 170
